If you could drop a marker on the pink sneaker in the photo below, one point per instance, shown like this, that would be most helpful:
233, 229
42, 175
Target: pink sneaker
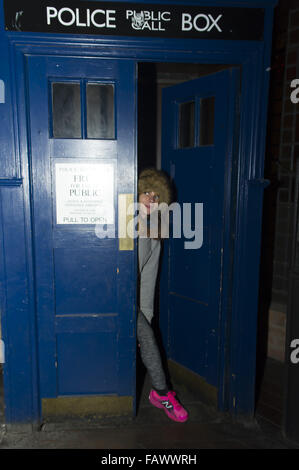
170, 404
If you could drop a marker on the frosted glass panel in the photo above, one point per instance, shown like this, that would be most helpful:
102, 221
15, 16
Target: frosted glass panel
100, 111
66, 111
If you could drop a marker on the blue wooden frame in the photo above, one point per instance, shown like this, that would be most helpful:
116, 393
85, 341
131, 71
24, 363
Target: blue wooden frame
241, 289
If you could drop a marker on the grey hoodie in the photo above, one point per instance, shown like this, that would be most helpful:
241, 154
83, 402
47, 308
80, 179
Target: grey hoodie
148, 255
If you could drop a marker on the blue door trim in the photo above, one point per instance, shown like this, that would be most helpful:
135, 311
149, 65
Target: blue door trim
22, 394
230, 184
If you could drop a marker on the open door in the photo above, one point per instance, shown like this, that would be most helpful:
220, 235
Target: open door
198, 127
82, 146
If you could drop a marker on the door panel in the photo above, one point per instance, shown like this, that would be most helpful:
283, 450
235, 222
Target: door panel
82, 153
195, 146
73, 295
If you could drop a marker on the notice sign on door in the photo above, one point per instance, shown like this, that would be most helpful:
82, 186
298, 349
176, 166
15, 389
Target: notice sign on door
84, 193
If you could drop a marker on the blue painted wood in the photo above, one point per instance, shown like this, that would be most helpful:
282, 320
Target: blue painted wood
15, 311
79, 280
195, 275
85, 278
11, 181
247, 246
93, 371
9, 162
231, 183
21, 387
96, 366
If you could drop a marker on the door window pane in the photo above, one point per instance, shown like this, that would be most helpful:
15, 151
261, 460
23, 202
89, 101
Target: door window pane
66, 111
207, 121
186, 124
100, 111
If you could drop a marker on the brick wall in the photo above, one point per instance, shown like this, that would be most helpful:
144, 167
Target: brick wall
281, 156
284, 137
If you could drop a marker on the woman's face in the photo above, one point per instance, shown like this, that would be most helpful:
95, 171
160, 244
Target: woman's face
149, 201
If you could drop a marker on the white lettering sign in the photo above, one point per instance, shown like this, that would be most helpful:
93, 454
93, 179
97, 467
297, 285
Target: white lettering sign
148, 20
69, 17
200, 22
84, 193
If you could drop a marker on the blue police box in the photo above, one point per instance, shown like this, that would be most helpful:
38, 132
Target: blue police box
69, 166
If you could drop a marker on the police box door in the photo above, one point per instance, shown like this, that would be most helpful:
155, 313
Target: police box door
198, 131
82, 146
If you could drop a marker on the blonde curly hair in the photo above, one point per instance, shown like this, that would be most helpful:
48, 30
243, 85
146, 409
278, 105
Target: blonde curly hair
151, 179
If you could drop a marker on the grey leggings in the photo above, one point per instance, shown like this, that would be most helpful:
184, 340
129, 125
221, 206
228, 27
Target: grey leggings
150, 354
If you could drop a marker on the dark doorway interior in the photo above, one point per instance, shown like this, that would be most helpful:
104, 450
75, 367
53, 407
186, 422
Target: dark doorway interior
152, 78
